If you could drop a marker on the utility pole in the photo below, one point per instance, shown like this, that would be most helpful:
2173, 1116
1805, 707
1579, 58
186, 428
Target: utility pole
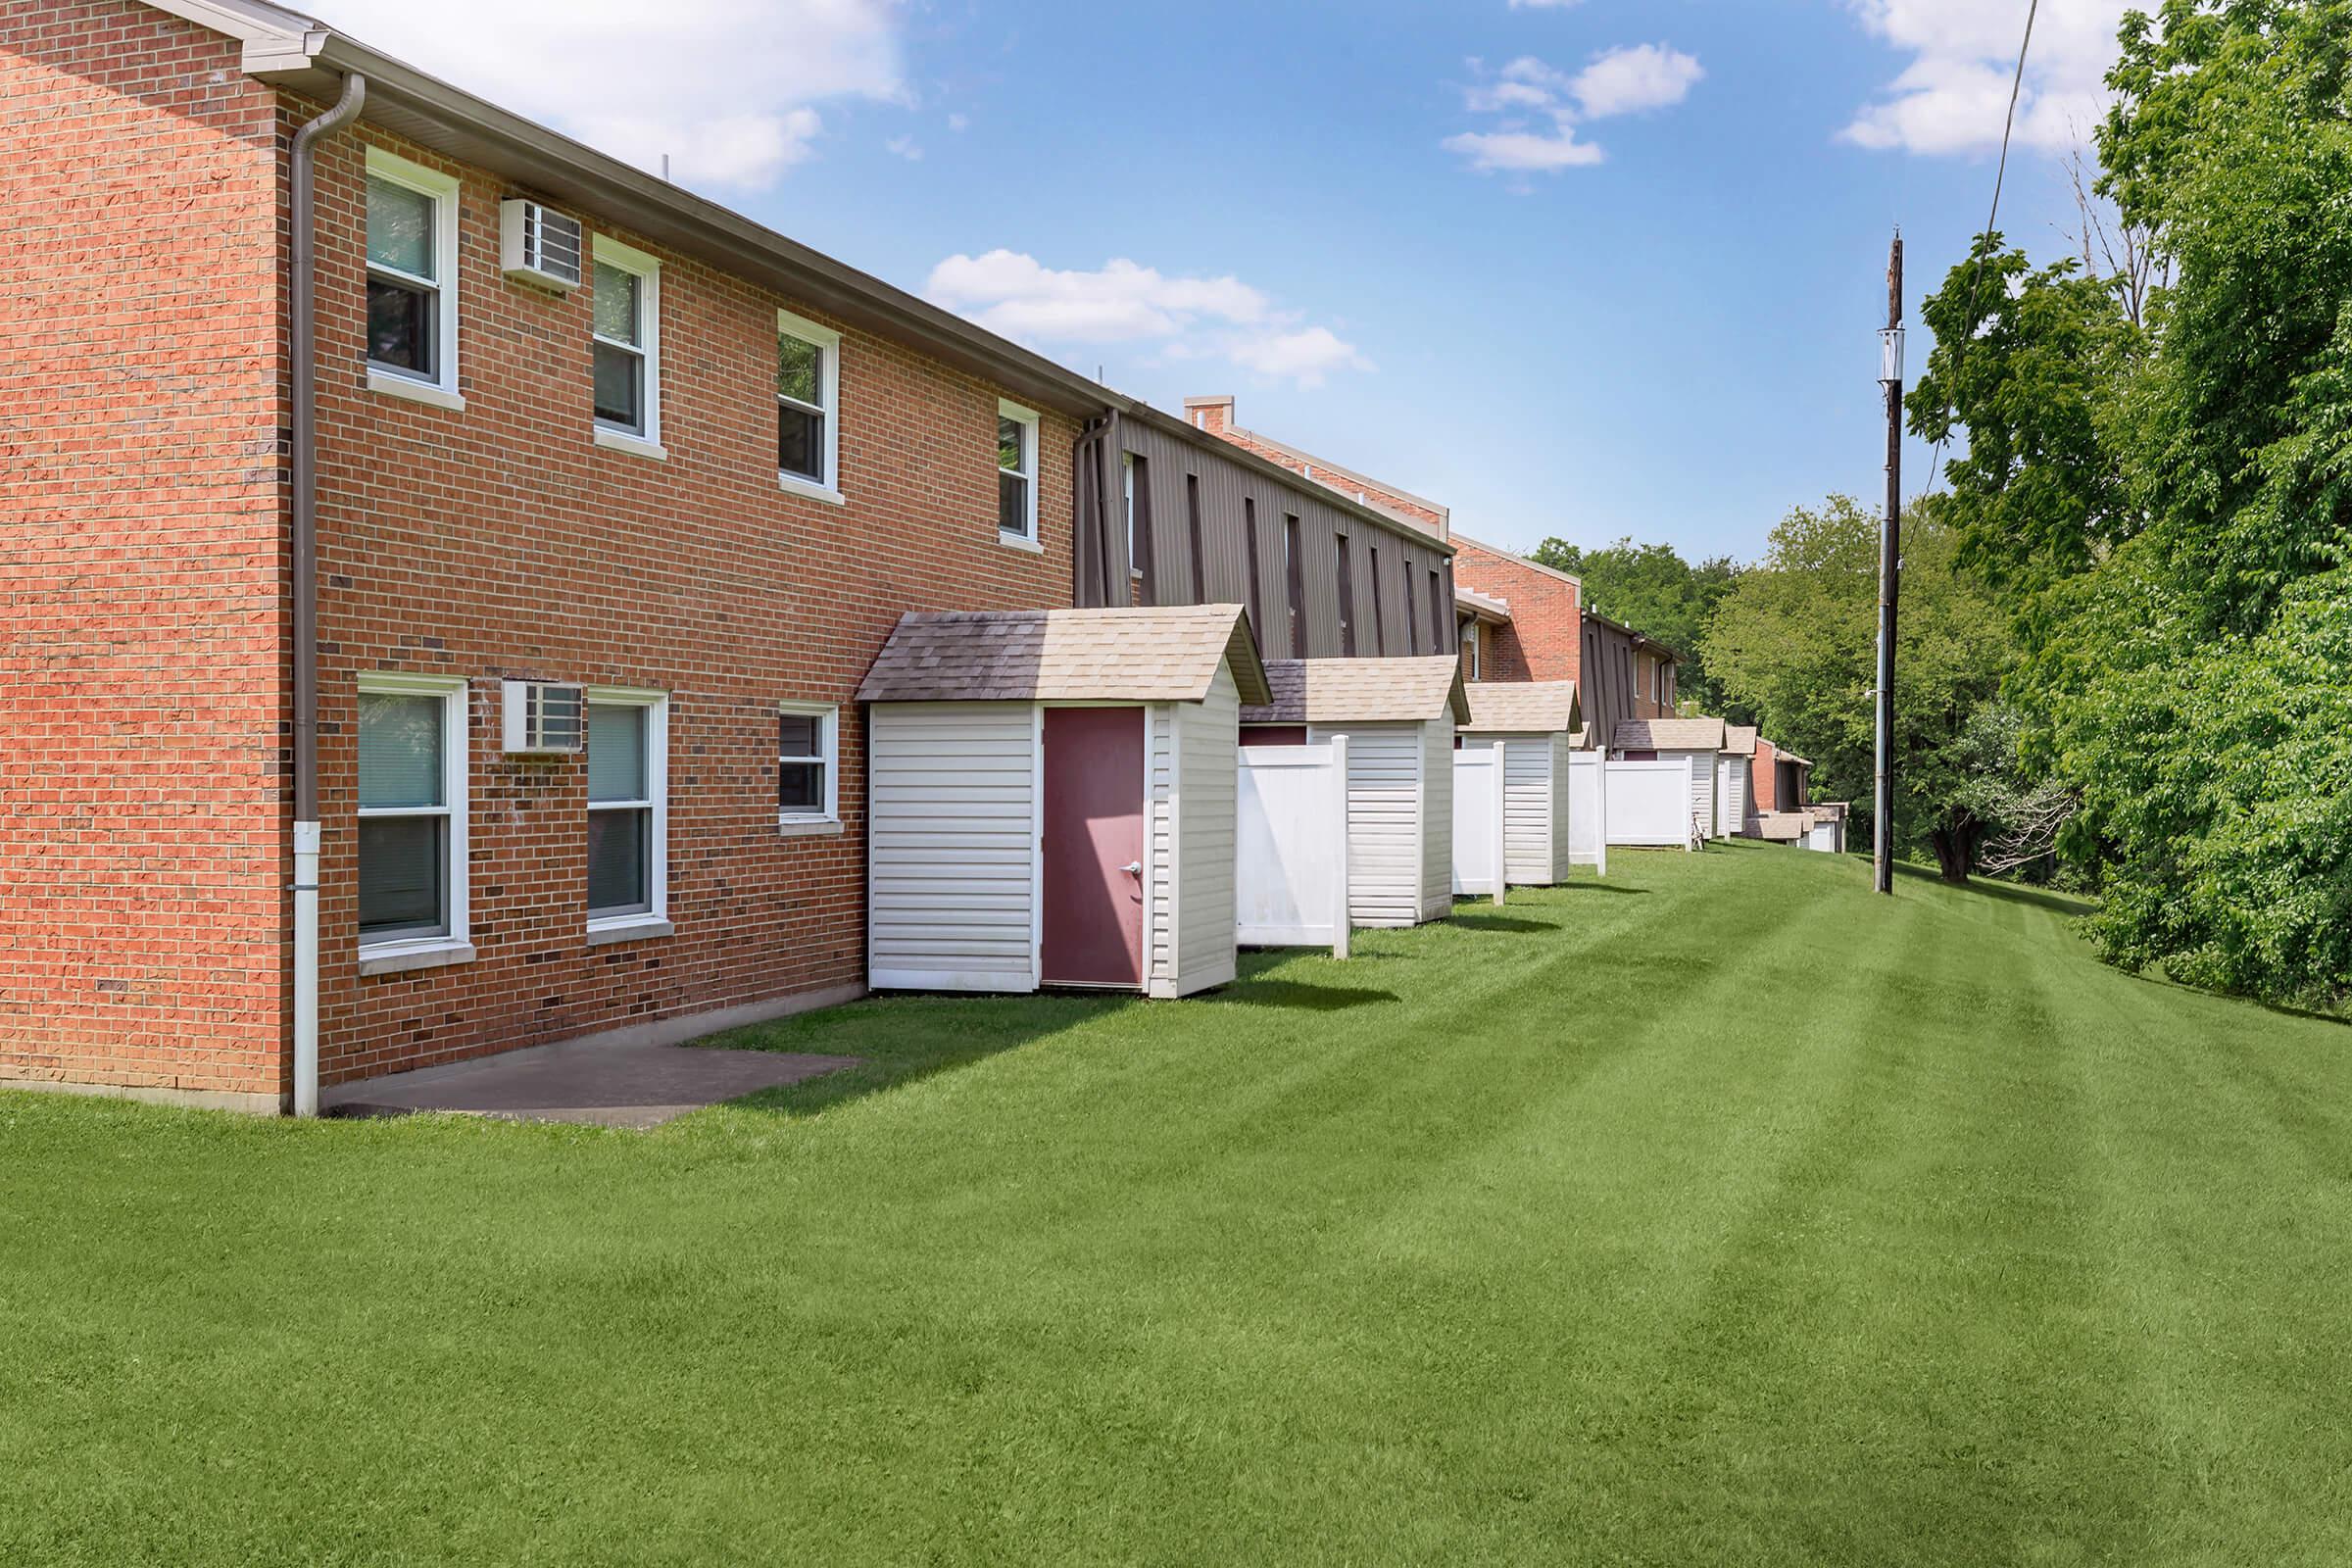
1891, 558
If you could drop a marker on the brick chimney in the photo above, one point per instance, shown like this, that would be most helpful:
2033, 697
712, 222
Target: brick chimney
1214, 414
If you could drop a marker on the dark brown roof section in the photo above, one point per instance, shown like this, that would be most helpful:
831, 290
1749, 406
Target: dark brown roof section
1104, 656
1361, 691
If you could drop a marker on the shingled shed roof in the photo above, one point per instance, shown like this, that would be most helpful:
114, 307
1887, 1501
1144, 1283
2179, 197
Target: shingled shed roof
1668, 735
1166, 655
1524, 706
1739, 739
1361, 691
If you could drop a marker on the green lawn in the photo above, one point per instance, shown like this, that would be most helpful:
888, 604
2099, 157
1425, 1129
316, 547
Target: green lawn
1716, 1214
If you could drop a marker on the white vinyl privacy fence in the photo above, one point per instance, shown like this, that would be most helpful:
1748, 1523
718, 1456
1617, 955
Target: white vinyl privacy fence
1291, 847
1653, 805
1479, 814
1588, 810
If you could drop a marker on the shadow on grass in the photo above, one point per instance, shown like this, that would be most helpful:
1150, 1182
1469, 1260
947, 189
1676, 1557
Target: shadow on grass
904, 1038
2060, 904
1581, 886
1300, 995
1499, 922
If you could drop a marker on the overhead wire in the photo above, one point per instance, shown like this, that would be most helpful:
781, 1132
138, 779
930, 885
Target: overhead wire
1993, 219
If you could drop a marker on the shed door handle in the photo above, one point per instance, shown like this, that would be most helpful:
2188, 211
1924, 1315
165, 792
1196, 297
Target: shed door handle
1133, 868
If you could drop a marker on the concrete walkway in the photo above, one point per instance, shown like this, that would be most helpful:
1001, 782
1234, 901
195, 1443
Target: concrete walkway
606, 1085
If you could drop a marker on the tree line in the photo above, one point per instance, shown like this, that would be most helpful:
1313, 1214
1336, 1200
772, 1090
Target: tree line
2125, 660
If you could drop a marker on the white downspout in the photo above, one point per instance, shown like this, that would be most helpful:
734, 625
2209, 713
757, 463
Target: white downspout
302, 323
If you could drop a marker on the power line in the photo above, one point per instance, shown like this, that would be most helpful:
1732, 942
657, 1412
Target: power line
1975, 287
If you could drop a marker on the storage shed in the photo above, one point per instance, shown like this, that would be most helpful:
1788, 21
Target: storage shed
1735, 782
1051, 799
1667, 740
1532, 721
1399, 716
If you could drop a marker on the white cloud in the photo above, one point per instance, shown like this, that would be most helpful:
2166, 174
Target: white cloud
1627, 80
1008, 292
905, 147
730, 90
1952, 96
1525, 151
960, 122
1123, 302
1541, 106
1305, 357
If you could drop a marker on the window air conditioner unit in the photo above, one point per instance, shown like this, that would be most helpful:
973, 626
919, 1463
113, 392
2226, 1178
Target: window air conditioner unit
543, 717
537, 245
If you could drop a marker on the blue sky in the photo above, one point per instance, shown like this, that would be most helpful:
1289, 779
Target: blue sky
1656, 318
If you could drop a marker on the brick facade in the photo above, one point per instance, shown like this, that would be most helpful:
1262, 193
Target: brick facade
501, 541
145, 831
1543, 641
143, 848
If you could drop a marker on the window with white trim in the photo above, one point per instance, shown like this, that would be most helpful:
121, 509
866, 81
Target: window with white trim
629, 807
807, 768
627, 342
1016, 472
412, 810
807, 405
412, 272
1469, 650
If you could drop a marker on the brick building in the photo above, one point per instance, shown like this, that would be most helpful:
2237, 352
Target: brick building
1516, 620
616, 495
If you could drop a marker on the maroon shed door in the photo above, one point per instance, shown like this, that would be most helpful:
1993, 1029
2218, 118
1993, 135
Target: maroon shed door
1094, 832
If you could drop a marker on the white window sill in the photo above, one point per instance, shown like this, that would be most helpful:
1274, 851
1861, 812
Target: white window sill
793, 485
634, 445
394, 384
794, 827
1015, 541
399, 958
635, 928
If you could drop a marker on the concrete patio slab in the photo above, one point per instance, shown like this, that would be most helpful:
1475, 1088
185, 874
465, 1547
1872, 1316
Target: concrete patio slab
604, 1084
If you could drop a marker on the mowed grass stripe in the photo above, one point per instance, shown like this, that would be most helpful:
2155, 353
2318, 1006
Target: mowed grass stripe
1721, 1212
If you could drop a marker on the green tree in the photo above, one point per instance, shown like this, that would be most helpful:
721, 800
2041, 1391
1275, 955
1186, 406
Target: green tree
1652, 589
2168, 503
1795, 641
2029, 363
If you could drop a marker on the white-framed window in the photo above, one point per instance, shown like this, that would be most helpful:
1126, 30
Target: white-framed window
411, 278
807, 407
628, 808
1469, 650
411, 814
627, 347
807, 765
1016, 472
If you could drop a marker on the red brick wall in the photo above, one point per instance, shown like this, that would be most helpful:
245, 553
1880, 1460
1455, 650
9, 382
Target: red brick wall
1545, 617
501, 541
1214, 416
1766, 775
142, 853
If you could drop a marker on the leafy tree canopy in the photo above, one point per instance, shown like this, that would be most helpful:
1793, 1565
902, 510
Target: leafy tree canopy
1796, 641
1652, 589
2165, 500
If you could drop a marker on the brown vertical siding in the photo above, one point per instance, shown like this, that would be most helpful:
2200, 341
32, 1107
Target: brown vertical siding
1197, 491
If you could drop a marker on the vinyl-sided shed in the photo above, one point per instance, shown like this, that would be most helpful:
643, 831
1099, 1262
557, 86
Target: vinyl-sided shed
1736, 781
1669, 740
1051, 799
1532, 721
1399, 716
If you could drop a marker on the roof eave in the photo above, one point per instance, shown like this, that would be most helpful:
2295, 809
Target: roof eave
452, 121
